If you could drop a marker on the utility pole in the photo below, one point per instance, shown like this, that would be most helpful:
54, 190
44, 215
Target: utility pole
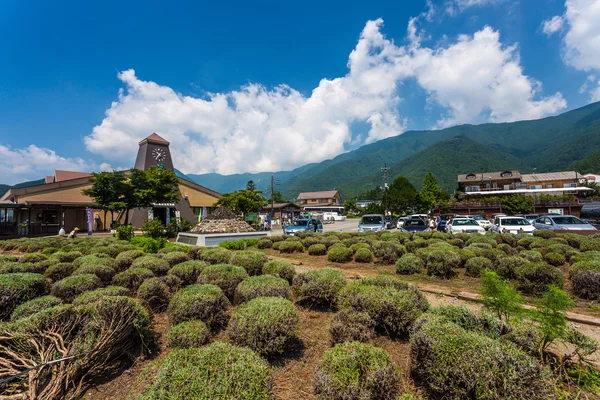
272, 196
384, 171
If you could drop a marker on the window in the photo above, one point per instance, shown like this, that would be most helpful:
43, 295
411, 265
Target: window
570, 185
472, 189
471, 177
535, 186
520, 186
506, 174
549, 186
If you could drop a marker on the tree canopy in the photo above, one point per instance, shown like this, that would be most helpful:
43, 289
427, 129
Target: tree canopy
242, 201
402, 196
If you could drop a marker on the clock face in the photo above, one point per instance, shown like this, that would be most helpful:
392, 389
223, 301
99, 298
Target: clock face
159, 155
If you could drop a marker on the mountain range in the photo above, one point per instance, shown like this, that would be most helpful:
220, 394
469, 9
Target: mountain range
567, 141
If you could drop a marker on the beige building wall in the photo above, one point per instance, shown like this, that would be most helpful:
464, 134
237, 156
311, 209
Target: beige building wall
196, 198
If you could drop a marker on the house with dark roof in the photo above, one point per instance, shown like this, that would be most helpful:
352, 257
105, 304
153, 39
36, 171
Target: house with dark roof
58, 201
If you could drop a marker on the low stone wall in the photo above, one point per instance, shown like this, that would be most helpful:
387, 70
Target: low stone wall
213, 239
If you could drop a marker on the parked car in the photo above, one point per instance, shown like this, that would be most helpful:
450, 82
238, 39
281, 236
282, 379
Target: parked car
388, 222
303, 224
371, 222
465, 225
401, 222
562, 223
482, 221
530, 217
415, 225
513, 225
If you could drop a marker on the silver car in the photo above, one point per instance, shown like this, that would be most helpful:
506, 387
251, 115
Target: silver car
371, 222
562, 223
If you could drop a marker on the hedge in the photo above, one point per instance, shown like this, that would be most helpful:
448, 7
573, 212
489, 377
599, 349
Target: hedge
262, 286
393, 309
193, 333
33, 306
318, 287
203, 302
264, 244
317, 250
132, 278
93, 296
355, 370
226, 276
264, 324
72, 286
280, 268
339, 253
349, 325
251, 261
188, 271
456, 364
409, 264
218, 371
157, 265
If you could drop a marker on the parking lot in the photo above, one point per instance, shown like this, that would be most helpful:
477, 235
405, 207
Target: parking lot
349, 225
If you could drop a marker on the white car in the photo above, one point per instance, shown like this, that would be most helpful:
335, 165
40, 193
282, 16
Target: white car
464, 225
514, 225
484, 223
400, 222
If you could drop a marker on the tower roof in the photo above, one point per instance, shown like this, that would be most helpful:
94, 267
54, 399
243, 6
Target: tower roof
155, 138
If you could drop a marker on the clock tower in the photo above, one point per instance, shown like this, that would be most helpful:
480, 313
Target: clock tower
154, 151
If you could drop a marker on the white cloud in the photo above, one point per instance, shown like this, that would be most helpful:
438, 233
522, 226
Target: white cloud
454, 7
256, 128
32, 162
553, 25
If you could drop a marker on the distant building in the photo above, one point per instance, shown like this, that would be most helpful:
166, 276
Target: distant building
321, 201
58, 202
366, 203
282, 210
475, 189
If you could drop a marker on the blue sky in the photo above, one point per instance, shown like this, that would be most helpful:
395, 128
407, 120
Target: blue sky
260, 86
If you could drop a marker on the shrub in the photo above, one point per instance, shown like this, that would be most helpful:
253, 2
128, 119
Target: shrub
33, 306
507, 266
355, 370
155, 294
4, 258
534, 277
195, 252
132, 278
104, 272
339, 253
349, 325
262, 286
59, 271
574, 240
193, 333
455, 364
329, 240
173, 248
318, 287
309, 241
93, 296
32, 258
157, 265
442, 263
280, 268
590, 245
264, 244
148, 244
483, 323
291, 247
388, 252
175, 257
188, 271
264, 324
363, 255
475, 265
97, 259
206, 303
72, 286
317, 250
555, 259
251, 261
125, 232
409, 264
544, 233
218, 371
392, 309
357, 246
65, 257
276, 245
225, 276
241, 244
216, 255
532, 255
126, 258
586, 284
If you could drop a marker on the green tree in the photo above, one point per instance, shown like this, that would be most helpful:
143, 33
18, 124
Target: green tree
499, 296
402, 196
109, 190
278, 197
551, 317
242, 201
350, 206
431, 192
251, 186
374, 194
517, 204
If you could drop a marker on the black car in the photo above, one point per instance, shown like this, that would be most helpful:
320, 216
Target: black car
415, 225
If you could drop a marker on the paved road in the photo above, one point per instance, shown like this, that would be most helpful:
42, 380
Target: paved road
349, 225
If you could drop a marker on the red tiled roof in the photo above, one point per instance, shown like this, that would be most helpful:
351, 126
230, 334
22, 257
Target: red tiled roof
155, 138
61, 176
317, 195
49, 179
